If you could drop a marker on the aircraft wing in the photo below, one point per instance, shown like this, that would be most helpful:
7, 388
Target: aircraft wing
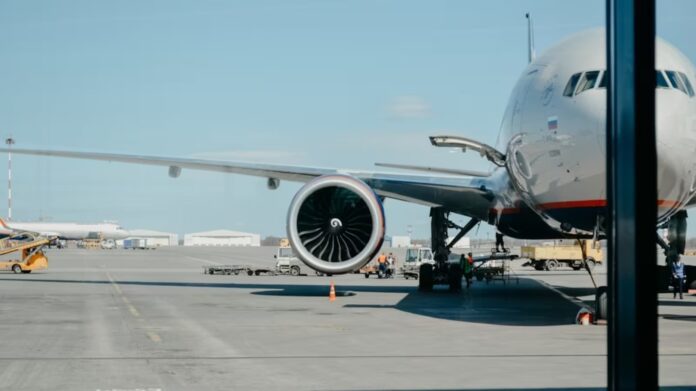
465, 195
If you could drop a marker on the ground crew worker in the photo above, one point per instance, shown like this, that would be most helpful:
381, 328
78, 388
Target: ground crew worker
499, 242
468, 268
391, 264
678, 276
382, 261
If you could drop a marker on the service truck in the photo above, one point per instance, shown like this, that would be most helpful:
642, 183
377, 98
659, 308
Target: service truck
288, 263
415, 257
552, 257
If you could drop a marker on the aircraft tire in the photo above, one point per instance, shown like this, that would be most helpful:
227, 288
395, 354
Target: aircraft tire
601, 304
425, 280
454, 276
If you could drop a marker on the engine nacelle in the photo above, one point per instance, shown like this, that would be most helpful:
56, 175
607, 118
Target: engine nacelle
336, 224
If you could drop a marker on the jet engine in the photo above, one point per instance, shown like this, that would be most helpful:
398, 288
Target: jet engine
336, 224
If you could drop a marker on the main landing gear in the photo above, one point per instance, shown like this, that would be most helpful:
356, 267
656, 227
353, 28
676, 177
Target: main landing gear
443, 272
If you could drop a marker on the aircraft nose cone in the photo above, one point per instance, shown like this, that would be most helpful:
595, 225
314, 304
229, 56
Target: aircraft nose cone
676, 160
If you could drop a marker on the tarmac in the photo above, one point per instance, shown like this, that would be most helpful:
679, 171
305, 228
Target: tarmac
151, 320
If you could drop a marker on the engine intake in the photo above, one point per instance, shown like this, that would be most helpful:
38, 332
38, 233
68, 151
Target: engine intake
336, 224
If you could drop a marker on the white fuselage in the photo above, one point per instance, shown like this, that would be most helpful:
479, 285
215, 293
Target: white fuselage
555, 142
72, 231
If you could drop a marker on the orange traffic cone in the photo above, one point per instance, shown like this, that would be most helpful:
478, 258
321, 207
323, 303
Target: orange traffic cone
332, 292
584, 317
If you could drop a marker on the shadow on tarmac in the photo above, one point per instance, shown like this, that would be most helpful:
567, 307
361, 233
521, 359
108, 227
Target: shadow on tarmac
523, 303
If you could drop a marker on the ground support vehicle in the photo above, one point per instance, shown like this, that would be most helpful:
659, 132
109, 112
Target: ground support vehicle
415, 257
288, 263
494, 266
553, 257
237, 269
30, 248
373, 268
136, 244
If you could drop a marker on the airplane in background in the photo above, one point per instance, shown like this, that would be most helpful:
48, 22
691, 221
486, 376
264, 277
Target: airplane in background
66, 231
548, 179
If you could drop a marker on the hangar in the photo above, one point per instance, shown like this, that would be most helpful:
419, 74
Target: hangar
222, 237
155, 238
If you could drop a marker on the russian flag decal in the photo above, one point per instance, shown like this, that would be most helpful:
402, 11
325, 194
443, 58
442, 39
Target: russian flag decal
552, 123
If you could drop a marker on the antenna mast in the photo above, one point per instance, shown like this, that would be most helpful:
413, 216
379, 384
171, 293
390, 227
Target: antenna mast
530, 38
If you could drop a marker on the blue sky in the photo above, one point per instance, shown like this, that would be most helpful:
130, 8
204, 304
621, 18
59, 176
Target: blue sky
328, 83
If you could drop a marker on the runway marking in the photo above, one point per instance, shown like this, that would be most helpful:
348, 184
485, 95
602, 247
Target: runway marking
204, 260
154, 337
571, 299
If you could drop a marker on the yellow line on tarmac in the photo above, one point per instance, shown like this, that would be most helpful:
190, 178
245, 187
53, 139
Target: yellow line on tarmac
134, 311
154, 337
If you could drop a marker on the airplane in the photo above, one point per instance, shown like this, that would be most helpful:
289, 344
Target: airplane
548, 177
66, 231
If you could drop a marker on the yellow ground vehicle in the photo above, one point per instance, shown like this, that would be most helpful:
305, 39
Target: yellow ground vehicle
551, 257
30, 249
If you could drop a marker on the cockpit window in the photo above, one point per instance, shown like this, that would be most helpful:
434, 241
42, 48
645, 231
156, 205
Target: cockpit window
661, 81
687, 84
570, 87
676, 81
604, 80
588, 81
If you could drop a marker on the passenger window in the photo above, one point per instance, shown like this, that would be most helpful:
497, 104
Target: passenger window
603, 81
676, 81
570, 87
687, 83
661, 81
588, 81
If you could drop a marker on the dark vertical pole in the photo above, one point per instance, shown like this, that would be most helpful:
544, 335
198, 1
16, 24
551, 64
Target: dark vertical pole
631, 195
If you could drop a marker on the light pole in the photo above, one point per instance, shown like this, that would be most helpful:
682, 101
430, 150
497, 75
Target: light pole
9, 141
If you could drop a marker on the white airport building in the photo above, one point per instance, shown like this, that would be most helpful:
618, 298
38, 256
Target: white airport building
153, 238
464, 242
222, 237
400, 241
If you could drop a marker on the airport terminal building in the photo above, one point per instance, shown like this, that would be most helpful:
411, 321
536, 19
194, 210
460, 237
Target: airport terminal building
222, 237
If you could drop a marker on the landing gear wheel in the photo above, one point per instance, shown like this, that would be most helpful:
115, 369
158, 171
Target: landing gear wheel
367, 275
454, 277
601, 305
16, 268
551, 264
425, 282
250, 273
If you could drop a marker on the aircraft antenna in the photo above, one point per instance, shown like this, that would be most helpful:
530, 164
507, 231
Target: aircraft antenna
530, 38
